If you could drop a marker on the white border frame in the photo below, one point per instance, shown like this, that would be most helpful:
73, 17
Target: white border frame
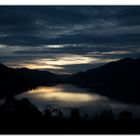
69, 2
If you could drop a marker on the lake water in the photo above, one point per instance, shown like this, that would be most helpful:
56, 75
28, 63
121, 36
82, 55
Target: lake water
68, 97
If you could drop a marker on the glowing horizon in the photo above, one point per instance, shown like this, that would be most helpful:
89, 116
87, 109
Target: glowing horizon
59, 64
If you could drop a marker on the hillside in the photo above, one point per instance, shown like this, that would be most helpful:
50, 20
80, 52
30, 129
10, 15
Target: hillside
119, 80
14, 81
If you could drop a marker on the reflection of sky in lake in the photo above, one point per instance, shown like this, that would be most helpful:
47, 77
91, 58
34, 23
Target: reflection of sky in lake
67, 97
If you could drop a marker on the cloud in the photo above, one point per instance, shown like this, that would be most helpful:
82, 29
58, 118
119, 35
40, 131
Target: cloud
52, 33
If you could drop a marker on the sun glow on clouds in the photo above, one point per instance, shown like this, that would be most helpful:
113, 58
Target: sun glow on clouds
58, 63
36, 66
54, 46
2, 46
116, 52
68, 60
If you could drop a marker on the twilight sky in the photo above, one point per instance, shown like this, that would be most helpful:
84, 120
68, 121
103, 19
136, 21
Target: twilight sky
68, 39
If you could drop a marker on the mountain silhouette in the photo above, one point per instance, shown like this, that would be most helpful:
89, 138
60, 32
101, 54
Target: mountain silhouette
118, 80
15, 81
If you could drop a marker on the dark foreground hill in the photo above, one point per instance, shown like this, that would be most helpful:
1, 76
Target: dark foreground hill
14, 81
119, 80
21, 117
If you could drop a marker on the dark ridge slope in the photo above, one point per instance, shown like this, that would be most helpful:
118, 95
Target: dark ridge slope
14, 81
119, 80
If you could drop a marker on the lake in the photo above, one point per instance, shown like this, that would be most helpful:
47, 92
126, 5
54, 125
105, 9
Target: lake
67, 97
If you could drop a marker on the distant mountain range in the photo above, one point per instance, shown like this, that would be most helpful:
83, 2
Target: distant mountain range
119, 80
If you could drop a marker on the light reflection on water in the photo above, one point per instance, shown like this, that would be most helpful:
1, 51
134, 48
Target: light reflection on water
67, 97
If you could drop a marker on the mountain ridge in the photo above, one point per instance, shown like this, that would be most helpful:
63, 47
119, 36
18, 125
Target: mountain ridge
118, 80
14, 81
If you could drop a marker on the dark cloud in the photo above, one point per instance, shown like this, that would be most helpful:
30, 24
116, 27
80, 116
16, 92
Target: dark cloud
37, 25
102, 32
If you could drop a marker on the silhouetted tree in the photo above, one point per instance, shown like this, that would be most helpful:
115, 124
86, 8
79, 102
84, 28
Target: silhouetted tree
60, 113
125, 116
75, 115
106, 115
48, 114
96, 117
85, 116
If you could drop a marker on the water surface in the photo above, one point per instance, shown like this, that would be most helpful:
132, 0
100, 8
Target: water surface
67, 97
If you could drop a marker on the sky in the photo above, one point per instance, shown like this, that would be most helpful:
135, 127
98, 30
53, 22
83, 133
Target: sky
68, 39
